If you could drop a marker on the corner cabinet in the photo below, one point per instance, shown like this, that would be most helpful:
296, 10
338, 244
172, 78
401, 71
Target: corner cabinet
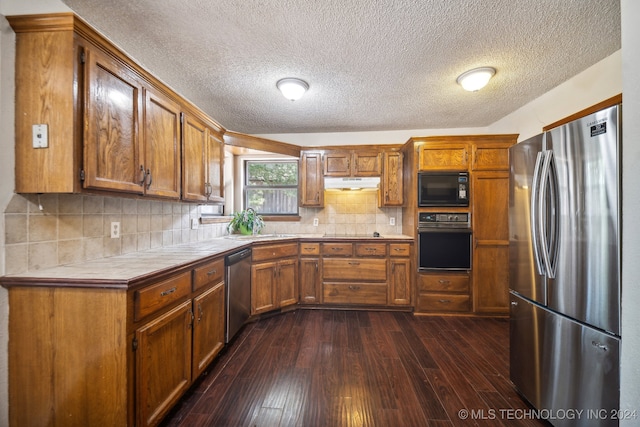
274, 277
95, 143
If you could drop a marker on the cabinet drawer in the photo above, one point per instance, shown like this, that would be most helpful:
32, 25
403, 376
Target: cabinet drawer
354, 269
309, 248
155, 297
443, 303
264, 253
337, 249
355, 293
400, 249
442, 283
371, 249
211, 272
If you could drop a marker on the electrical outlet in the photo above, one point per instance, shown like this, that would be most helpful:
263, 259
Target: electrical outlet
194, 223
392, 220
40, 136
315, 222
115, 230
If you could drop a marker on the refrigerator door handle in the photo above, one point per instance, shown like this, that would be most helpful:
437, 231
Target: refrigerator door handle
554, 219
543, 209
535, 212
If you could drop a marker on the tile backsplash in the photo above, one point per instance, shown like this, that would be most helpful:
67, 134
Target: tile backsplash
55, 229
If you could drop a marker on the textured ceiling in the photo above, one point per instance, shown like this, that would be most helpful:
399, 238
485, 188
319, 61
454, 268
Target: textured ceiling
371, 64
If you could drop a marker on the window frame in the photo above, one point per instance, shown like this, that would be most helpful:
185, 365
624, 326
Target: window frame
246, 186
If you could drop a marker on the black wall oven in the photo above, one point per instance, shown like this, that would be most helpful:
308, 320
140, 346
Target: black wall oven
444, 241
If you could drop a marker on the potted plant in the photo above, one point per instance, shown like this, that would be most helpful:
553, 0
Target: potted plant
246, 222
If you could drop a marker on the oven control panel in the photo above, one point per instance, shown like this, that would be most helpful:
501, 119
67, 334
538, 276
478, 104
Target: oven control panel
444, 219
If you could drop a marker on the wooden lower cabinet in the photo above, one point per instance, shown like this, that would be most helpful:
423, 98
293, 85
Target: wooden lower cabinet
208, 327
310, 268
104, 354
491, 279
274, 277
443, 293
163, 363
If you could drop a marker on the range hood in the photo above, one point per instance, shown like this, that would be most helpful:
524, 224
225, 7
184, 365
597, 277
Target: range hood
351, 183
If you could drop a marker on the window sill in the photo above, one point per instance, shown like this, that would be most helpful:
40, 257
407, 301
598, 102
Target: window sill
272, 218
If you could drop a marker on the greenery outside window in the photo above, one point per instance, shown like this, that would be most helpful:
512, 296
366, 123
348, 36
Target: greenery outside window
271, 186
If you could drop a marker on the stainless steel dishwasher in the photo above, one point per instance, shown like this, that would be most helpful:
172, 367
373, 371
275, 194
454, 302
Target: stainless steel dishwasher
238, 296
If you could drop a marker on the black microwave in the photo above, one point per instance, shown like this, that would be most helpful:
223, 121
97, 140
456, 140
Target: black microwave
443, 189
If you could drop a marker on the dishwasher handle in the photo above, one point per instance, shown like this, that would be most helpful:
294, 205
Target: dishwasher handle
237, 256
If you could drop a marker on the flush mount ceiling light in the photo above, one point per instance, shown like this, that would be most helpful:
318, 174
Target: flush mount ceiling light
292, 88
475, 79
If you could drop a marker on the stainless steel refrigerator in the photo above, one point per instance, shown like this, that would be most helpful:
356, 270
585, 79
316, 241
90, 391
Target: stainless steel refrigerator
564, 243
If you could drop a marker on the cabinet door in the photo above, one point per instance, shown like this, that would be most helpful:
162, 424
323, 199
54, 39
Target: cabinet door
208, 327
439, 156
491, 248
490, 200
287, 282
163, 363
337, 163
263, 287
310, 280
400, 286
491, 278
195, 138
366, 163
492, 155
311, 180
162, 145
113, 102
214, 186
391, 184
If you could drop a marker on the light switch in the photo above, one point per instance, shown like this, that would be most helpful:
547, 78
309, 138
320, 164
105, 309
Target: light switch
40, 136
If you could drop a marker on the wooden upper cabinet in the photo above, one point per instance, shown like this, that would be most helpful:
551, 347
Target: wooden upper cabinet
352, 163
366, 163
435, 156
214, 185
337, 163
311, 180
114, 159
47, 64
493, 153
194, 147
391, 183
162, 145
202, 148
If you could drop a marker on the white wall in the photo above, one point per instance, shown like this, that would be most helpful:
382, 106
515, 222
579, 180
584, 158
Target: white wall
630, 365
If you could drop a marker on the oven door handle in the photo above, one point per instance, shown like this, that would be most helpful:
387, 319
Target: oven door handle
443, 229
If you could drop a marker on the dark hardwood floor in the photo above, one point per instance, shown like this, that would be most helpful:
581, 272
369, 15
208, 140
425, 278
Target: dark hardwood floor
356, 368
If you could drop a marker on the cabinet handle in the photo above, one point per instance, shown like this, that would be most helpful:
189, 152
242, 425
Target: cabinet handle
167, 292
208, 190
143, 175
371, 249
212, 272
354, 263
445, 301
444, 282
354, 288
200, 313
337, 249
149, 178
190, 325
317, 199
316, 266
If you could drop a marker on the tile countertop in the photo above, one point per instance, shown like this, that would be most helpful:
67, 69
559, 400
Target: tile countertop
119, 271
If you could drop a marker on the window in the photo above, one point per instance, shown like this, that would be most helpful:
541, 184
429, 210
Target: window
271, 186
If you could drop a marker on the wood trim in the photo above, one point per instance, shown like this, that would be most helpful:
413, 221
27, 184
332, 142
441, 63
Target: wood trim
614, 100
237, 139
